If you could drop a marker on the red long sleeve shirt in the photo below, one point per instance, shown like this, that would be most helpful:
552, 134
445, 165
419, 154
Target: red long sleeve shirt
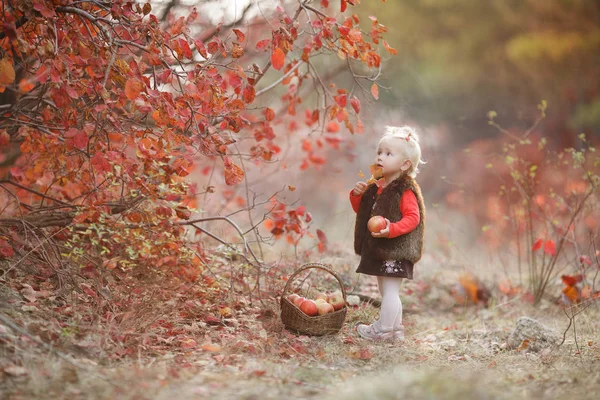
408, 207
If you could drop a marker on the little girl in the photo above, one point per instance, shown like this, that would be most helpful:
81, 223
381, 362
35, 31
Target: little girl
391, 253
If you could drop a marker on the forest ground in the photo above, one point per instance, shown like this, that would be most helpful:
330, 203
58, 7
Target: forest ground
451, 351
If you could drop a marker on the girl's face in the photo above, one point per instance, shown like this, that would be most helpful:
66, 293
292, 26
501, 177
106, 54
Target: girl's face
391, 158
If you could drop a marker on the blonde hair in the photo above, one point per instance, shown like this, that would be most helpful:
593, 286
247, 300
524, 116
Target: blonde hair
410, 140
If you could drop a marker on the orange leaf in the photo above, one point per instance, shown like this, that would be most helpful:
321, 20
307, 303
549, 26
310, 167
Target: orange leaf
240, 35
188, 343
571, 293
26, 85
375, 91
7, 72
390, 50
524, 345
233, 174
470, 286
278, 58
550, 248
537, 245
133, 87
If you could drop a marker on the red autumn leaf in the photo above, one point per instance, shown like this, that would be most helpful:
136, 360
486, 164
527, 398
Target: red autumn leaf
263, 45
306, 145
4, 139
550, 248
233, 174
201, 48
537, 245
80, 140
355, 103
375, 91
278, 58
343, 5
185, 48
333, 127
6, 249
133, 87
355, 35
585, 260
249, 94
321, 236
269, 114
571, 280
45, 11
341, 100
240, 35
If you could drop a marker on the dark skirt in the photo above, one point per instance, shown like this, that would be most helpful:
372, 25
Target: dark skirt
392, 268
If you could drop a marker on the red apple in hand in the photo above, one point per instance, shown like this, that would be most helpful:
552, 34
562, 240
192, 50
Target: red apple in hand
336, 300
376, 223
324, 307
309, 307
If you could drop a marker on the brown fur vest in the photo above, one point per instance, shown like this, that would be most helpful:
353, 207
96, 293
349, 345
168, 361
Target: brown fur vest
404, 247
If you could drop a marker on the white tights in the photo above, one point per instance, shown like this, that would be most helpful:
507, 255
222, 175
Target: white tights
391, 306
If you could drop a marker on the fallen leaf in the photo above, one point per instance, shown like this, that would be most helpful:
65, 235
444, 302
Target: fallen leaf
188, 343
524, 345
213, 348
15, 371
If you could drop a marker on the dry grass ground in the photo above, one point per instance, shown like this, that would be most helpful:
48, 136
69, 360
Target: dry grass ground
452, 353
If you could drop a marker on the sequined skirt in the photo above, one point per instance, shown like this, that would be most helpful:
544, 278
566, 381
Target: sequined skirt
393, 268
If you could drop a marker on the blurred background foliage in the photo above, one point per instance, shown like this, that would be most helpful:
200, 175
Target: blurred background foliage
459, 59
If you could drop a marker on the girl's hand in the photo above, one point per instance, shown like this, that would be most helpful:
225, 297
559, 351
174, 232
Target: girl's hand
359, 188
385, 232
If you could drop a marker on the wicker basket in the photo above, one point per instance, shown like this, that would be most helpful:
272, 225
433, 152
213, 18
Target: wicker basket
298, 322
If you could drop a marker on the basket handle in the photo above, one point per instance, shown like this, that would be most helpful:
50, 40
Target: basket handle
316, 266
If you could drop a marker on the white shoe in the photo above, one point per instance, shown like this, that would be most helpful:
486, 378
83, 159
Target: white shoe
376, 332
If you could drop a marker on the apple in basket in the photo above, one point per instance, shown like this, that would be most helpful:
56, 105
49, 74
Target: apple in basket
322, 296
376, 223
292, 297
309, 307
324, 307
336, 300
298, 300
